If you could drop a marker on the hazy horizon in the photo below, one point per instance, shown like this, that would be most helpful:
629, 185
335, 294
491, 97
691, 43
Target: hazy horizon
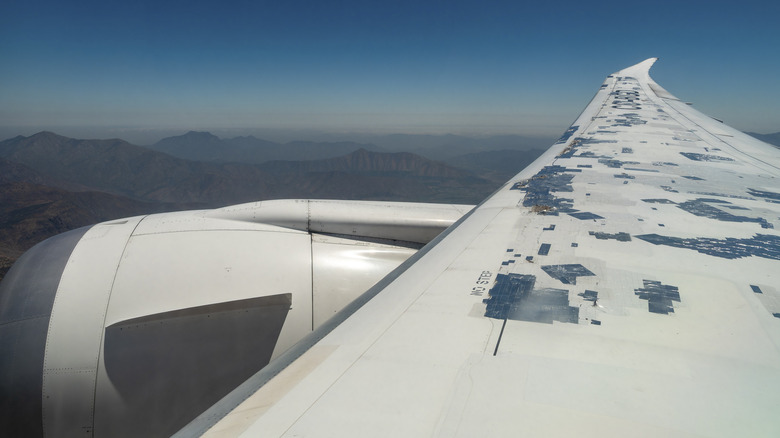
144, 70
146, 137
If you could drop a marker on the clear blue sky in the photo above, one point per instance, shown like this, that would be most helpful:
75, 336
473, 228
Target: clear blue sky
393, 66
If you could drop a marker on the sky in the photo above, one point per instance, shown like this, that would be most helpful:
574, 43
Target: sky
141, 70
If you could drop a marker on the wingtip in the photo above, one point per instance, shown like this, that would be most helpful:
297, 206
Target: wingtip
649, 62
640, 69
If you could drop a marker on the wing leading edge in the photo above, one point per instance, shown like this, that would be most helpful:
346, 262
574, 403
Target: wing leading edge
624, 283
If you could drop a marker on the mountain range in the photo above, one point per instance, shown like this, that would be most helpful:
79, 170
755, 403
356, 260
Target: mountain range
773, 138
204, 146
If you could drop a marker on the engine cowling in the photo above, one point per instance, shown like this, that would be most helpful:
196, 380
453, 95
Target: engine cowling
133, 327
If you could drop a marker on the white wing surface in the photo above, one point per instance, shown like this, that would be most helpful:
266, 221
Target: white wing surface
625, 284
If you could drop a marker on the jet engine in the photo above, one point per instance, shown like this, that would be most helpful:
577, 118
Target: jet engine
133, 327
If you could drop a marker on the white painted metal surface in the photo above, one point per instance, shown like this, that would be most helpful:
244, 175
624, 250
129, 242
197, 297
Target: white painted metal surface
406, 221
342, 268
625, 284
73, 344
317, 252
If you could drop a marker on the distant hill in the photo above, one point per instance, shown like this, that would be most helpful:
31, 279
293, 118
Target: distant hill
204, 146
773, 139
14, 172
448, 146
197, 146
121, 168
368, 162
497, 166
379, 176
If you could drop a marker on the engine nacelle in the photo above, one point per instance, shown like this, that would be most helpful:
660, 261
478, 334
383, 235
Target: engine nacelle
133, 327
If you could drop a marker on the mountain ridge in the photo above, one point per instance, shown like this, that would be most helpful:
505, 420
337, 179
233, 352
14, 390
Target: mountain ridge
118, 167
205, 146
365, 161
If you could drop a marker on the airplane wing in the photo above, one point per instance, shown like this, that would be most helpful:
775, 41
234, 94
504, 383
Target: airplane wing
626, 283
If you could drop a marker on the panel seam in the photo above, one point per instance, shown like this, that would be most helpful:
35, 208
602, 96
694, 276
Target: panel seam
105, 313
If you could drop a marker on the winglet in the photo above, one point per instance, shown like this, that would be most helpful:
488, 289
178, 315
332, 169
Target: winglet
639, 71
